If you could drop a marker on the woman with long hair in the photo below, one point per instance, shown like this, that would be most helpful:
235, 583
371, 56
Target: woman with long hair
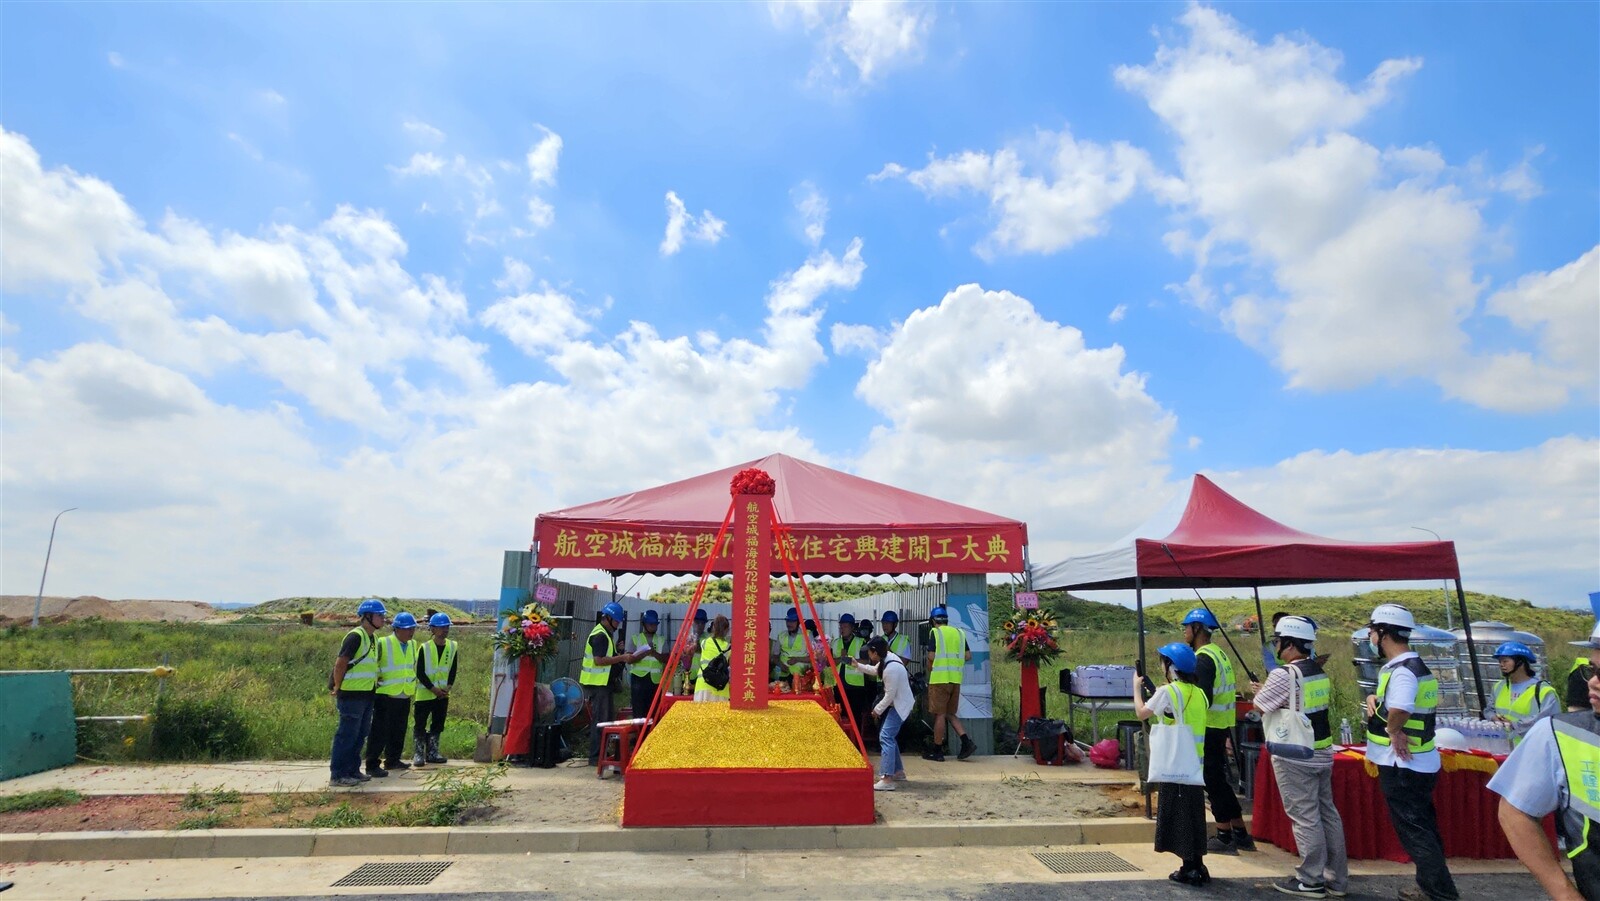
892, 710
713, 646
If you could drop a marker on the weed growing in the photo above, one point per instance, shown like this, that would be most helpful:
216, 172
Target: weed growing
342, 817
39, 800
198, 798
212, 820
448, 794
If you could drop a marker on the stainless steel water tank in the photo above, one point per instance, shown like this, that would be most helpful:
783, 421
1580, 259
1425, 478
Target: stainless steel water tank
1437, 648
1488, 635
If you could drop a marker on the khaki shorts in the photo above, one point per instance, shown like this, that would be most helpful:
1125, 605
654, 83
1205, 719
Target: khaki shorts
944, 697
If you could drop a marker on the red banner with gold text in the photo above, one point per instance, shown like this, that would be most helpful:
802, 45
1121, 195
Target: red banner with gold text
751, 545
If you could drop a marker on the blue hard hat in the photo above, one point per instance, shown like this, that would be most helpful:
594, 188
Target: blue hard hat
1202, 616
1180, 655
650, 618
1515, 649
889, 616
371, 605
439, 621
791, 615
845, 618
938, 613
615, 611
405, 620
700, 616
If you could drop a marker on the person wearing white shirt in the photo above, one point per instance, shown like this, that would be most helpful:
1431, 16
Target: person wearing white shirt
891, 711
1400, 727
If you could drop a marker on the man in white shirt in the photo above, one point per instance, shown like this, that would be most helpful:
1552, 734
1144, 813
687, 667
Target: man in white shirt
1400, 726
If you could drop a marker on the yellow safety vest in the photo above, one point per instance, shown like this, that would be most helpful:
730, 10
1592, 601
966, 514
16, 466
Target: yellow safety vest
1579, 749
1524, 707
794, 646
362, 673
436, 663
842, 653
1191, 712
1224, 711
397, 667
710, 649
593, 674
949, 655
900, 645
647, 667
1316, 695
1419, 727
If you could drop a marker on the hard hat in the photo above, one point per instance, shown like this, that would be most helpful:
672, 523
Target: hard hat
938, 613
615, 611
1202, 616
439, 621
700, 616
1516, 649
791, 615
403, 620
1392, 615
889, 616
371, 605
650, 618
1296, 627
1180, 655
847, 619
1445, 737
1594, 638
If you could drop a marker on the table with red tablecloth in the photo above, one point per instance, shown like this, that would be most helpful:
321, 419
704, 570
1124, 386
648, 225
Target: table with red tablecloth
1468, 812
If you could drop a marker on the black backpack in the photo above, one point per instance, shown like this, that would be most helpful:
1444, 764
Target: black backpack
717, 673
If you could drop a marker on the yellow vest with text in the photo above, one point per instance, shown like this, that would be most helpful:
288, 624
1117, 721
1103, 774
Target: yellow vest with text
1579, 748
362, 673
949, 655
793, 646
1420, 724
648, 667
1224, 711
593, 673
1523, 707
397, 667
436, 662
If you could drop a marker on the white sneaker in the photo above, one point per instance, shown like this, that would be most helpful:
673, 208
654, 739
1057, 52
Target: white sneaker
883, 785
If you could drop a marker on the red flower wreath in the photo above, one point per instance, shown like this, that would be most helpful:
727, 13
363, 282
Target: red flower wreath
752, 481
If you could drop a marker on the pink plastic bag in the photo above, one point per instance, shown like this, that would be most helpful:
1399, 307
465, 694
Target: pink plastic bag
1106, 754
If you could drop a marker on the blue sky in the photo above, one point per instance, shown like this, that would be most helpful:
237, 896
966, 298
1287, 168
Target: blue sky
335, 299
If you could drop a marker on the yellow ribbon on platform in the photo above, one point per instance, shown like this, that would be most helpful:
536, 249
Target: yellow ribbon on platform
1449, 762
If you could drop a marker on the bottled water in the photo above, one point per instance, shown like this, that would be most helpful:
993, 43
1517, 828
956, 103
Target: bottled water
1344, 732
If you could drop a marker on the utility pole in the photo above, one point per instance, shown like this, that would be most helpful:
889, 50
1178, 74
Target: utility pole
39, 601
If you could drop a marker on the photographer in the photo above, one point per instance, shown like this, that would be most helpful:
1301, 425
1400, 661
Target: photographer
892, 710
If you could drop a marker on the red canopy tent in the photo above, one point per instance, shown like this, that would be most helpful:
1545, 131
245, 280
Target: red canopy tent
1208, 538
841, 525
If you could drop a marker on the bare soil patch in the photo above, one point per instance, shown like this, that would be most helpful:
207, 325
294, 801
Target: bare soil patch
19, 608
114, 812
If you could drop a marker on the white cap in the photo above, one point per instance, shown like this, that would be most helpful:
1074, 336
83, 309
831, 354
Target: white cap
1296, 627
1392, 615
1594, 638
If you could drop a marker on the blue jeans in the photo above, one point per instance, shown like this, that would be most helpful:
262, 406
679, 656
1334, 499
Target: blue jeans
355, 721
889, 761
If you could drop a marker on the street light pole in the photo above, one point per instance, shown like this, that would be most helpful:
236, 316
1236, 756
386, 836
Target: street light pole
1443, 588
39, 601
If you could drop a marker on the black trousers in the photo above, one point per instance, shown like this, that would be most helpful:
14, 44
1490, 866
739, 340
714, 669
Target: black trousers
641, 693
599, 698
430, 716
859, 697
1410, 798
1219, 790
388, 736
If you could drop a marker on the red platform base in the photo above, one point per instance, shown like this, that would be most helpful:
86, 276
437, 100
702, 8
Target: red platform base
748, 797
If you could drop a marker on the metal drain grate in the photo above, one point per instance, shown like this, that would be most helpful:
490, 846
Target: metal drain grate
420, 873
1084, 862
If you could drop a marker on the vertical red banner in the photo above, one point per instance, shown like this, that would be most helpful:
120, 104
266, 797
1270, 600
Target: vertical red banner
752, 586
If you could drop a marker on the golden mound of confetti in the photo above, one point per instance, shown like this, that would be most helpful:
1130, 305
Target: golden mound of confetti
787, 735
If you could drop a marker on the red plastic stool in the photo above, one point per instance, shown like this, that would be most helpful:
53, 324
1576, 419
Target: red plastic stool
625, 734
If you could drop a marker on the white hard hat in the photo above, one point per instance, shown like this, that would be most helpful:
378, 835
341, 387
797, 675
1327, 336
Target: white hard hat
1594, 638
1450, 739
1296, 627
1392, 615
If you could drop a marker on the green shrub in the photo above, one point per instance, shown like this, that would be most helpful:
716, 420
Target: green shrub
449, 794
39, 800
202, 728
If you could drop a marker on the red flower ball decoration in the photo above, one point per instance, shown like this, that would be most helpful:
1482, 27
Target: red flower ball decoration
752, 481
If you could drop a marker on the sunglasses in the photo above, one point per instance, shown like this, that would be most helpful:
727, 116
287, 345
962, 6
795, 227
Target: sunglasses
1585, 671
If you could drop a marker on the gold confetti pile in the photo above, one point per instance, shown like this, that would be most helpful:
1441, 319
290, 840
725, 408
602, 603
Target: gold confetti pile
787, 735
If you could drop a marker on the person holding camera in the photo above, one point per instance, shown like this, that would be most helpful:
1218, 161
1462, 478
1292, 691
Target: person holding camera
714, 663
891, 711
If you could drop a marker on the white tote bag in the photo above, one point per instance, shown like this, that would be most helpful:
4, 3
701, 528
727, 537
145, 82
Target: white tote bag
1173, 757
1289, 725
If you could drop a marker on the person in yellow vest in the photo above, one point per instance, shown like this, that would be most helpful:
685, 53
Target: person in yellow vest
599, 655
899, 643
792, 656
689, 660
847, 647
1521, 698
354, 679
1214, 674
1552, 771
1181, 809
1306, 786
647, 651
946, 656
391, 710
1578, 685
1400, 729
712, 647
436, 675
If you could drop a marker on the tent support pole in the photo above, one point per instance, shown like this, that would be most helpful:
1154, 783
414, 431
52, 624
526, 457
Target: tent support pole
1261, 628
1139, 677
1472, 649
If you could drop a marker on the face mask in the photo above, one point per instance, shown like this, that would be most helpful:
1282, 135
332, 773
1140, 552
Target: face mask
1372, 649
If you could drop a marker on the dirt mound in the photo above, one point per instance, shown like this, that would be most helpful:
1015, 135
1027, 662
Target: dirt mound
19, 608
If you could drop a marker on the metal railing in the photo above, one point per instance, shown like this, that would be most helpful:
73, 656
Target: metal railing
162, 673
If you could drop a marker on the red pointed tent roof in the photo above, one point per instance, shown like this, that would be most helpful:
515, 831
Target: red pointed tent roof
1209, 538
843, 525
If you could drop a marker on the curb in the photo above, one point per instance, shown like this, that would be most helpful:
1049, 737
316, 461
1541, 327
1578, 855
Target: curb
53, 847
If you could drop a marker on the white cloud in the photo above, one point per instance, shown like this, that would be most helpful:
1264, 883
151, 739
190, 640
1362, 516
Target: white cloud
420, 164
422, 132
681, 226
540, 213
1118, 313
1521, 181
244, 145
536, 322
871, 37
271, 98
856, 339
544, 157
59, 226
115, 59
1045, 194
518, 276
813, 210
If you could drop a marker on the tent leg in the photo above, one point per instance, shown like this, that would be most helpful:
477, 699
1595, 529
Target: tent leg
1138, 606
1261, 629
1472, 649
